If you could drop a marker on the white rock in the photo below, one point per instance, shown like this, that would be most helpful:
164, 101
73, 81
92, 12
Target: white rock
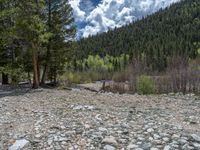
195, 137
187, 147
50, 141
138, 149
110, 140
38, 135
150, 139
156, 136
19, 144
109, 147
102, 129
83, 107
167, 147
131, 146
196, 145
150, 130
166, 139
153, 148
182, 141
98, 118
175, 136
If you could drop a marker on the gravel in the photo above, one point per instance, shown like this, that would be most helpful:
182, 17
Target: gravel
49, 119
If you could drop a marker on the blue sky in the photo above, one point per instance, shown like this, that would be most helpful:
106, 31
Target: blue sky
96, 16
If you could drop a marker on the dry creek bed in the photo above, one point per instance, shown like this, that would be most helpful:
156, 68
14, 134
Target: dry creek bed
50, 119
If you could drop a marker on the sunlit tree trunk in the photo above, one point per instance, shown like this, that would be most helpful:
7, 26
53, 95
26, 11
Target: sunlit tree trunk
44, 74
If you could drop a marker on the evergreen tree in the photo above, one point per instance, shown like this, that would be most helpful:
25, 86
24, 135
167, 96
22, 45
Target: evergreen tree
30, 27
60, 24
7, 52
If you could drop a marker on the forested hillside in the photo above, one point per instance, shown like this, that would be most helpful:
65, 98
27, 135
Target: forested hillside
172, 31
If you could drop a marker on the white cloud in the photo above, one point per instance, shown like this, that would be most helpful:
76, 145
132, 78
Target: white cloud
115, 13
78, 13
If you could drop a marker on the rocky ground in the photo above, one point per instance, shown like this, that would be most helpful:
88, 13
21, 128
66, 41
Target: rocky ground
50, 119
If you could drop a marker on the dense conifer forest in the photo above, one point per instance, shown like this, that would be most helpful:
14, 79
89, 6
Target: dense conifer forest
174, 31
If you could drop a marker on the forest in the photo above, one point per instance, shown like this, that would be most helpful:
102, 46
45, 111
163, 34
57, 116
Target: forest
169, 32
36, 38
38, 43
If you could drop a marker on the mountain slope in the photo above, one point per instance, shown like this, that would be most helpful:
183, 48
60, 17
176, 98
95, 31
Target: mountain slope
108, 14
172, 31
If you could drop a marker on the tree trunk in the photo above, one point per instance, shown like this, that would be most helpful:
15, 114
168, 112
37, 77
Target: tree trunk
46, 66
4, 78
48, 47
38, 68
35, 66
44, 74
55, 76
29, 77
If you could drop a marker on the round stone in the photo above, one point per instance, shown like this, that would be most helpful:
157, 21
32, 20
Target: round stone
109, 147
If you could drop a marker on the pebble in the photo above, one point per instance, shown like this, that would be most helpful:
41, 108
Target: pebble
153, 148
167, 147
146, 146
109, 147
132, 146
166, 139
150, 130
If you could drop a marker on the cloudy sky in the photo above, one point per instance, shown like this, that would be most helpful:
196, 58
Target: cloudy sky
94, 16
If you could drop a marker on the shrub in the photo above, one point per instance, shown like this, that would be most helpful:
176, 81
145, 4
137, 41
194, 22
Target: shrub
68, 78
145, 85
121, 76
74, 77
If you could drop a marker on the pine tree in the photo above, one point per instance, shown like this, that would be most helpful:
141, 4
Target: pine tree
60, 24
30, 27
6, 51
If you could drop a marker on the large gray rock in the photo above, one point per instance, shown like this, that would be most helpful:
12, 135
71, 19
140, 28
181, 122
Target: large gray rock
195, 137
19, 144
196, 145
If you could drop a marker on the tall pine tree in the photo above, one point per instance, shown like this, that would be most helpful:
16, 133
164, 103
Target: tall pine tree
59, 20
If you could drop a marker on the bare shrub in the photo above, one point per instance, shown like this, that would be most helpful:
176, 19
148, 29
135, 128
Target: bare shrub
136, 69
181, 75
117, 87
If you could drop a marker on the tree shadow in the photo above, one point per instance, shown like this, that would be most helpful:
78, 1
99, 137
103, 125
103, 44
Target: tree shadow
17, 90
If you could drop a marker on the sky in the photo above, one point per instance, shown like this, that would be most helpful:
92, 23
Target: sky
97, 16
